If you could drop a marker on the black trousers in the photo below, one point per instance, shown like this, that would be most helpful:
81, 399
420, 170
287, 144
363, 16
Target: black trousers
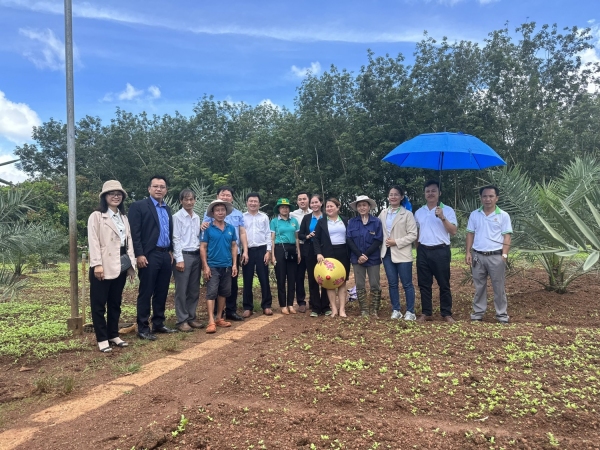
317, 297
256, 263
434, 263
105, 298
153, 290
285, 271
231, 301
300, 276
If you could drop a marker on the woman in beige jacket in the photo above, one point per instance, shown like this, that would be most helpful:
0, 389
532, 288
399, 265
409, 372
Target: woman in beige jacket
399, 232
109, 237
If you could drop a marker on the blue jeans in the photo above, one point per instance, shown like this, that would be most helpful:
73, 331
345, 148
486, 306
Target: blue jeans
393, 271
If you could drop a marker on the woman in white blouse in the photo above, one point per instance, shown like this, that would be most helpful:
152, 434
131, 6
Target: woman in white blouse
109, 238
329, 241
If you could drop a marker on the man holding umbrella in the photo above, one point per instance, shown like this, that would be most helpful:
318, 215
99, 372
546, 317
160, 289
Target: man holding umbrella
436, 223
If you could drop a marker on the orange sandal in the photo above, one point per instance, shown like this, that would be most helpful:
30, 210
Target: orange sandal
211, 328
223, 323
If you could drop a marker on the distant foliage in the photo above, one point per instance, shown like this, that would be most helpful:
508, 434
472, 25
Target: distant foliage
525, 92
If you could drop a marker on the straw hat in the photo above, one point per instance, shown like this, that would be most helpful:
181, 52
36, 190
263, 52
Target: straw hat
363, 198
112, 185
228, 207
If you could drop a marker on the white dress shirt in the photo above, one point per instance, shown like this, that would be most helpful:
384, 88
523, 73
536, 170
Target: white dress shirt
186, 232
258, 231
298, 215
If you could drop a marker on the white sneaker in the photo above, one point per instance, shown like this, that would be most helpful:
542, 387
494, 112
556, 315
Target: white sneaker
396, 314
409, 316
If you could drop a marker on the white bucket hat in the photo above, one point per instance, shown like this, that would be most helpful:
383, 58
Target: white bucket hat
228, 207
112, 185
363, 198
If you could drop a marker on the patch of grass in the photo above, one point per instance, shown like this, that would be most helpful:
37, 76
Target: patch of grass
128, 369
169, 345
67, 384
34, 325
43, 385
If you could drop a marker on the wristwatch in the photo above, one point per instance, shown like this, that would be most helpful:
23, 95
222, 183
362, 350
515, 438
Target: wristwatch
504, 255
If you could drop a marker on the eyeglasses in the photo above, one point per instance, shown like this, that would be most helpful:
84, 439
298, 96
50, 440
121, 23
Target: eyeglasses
158, 187
114, 194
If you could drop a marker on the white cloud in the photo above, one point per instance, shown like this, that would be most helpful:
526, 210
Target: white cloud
154, 91
16, 120
314, 69
10, 172
130, 93
46, 51
268, 102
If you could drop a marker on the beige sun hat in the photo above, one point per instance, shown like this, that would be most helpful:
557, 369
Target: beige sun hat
228, 207
112, 185
363, 198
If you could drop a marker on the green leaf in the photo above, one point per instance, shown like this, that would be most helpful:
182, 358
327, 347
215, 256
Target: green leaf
552, 232
594, 211
591, 260
589, 234
568, 228
567, 253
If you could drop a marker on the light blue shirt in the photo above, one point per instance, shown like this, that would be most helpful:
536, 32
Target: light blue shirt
163, 218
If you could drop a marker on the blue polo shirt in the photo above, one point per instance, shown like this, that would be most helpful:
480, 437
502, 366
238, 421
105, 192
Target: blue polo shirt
236, 219
219, 245
363, 237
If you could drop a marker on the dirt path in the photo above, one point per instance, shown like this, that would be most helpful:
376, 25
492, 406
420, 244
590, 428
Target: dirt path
295, 382
112, 411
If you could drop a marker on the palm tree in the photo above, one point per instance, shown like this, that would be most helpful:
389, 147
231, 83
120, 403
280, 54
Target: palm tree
546, 215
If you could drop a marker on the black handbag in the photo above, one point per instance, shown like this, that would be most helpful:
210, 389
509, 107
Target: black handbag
125, 259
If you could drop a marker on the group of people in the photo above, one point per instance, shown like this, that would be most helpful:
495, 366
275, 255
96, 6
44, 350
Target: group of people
160, 245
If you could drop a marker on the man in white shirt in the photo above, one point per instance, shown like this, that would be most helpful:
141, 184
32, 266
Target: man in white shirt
186, 265
488, 242
303, 209
436, 223
258, 235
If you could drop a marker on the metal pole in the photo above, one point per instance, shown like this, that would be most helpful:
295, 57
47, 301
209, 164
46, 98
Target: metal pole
83, 292
75, 323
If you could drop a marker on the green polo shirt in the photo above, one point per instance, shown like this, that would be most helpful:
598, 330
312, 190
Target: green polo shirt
285, 230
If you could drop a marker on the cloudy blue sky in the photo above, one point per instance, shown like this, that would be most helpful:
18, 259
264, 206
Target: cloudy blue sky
162, 56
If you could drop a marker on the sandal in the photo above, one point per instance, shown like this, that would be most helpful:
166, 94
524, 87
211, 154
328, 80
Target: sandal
106, 350
118, 344
211, 328
223, 323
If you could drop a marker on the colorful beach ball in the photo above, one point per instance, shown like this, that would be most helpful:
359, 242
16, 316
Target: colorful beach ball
330, 273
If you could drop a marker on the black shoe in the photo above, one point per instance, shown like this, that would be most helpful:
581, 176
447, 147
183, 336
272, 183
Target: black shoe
163, 329
234, 316
147, 336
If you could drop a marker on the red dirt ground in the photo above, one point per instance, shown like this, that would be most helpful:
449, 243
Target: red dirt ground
306, 383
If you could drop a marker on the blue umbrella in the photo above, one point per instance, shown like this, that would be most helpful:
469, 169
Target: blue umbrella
444, 151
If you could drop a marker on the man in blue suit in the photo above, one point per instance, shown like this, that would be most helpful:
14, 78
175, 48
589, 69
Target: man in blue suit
152, 234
